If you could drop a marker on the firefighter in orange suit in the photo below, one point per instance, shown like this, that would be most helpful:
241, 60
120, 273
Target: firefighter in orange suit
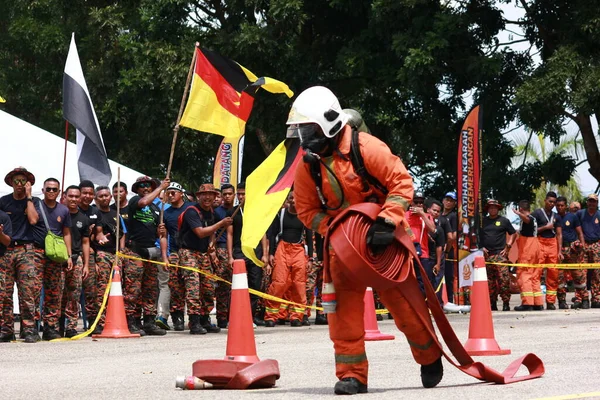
289, 264
326, 137
529, 279
550, 238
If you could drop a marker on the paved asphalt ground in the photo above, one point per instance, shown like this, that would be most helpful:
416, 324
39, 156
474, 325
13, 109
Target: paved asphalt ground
567, 341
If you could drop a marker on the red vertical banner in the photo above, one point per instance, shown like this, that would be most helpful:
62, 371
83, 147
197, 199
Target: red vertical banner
468, 193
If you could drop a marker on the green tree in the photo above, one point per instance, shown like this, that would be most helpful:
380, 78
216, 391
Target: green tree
535, 148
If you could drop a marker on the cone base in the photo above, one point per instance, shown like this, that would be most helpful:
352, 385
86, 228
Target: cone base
224, 374
116, 335
485, 347
244, 359
372, 336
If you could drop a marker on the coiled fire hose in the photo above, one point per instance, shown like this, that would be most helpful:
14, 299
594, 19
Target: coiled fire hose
394, 268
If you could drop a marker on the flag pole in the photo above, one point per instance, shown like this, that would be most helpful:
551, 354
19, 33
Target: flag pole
176, 128
65, 156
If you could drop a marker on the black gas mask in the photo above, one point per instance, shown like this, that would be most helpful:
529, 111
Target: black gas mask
313, 141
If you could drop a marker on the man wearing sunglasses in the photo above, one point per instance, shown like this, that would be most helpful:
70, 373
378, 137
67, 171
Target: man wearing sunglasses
19, 261
176, 282
53, 279
141, 277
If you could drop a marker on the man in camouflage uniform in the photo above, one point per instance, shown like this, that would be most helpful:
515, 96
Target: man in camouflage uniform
198, 225
80, 242
590, 225
58, 221
20, 260
5, 240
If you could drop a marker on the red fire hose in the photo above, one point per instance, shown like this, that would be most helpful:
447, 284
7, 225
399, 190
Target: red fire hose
394, 267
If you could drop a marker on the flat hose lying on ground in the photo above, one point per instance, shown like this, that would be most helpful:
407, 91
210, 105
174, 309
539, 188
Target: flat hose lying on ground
347, 236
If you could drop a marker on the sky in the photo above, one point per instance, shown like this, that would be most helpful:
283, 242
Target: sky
587, 182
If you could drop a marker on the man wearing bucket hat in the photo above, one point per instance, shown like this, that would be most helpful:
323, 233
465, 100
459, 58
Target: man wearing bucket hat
20, 258
495, 249
140, 277
198, 224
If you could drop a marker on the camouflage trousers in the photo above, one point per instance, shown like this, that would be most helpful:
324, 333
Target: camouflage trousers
21, 265
72, 293
223, 290
314, 282
199, 288
260, 302
104, 264
54, 284
89, 286
591, 254
572, 255
140, 286
176, 284
498, 277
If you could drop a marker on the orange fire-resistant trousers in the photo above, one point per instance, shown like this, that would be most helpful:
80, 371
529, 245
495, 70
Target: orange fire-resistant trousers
347, 331
289, 269
529, 279
549, 255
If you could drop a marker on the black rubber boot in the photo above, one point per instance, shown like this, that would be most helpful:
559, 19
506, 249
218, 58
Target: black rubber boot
210, 328
563, 305
321, 319
269, 324
585, 304
61, 326
349, 386
506, 306
31, 336
7, 337
494, 306
295, 323
305, 321
595, 304
432, 374
132, 325
151, 328
196, 327
523, 307
178, 323
550, 306
50, 334
69, 333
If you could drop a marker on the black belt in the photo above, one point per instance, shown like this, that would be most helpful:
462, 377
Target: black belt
222, 245
16, 243
591, 241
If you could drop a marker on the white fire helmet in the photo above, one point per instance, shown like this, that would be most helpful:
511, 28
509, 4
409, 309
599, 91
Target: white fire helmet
318, 105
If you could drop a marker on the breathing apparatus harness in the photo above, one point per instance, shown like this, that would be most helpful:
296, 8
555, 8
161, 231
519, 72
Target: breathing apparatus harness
358, 163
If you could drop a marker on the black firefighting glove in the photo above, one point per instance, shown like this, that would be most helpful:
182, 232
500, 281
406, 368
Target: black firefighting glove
380, 235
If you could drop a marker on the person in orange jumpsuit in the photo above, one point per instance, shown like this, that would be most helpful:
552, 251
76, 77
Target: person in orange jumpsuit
326, 137
529, 279
550, 238
289, 265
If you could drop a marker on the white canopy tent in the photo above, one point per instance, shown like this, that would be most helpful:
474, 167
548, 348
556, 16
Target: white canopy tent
41, 152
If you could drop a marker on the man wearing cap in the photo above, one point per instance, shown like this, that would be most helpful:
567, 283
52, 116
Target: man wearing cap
140, 277
590, 224
223, 290
572, 252
176, 282
449, 214
59, 223
198, 224
550, 238
492, 237
20, 259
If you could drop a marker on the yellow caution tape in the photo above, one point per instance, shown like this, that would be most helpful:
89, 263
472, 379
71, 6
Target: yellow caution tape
558, 266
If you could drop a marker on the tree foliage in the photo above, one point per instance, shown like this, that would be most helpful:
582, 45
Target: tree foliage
409, 66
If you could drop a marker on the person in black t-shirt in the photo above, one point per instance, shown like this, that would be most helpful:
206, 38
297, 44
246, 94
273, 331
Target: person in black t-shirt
141, 277
80, 243
492, 237
19, 259
437, 242
449, 214
199, 224
529, 279
234, 249
289, 261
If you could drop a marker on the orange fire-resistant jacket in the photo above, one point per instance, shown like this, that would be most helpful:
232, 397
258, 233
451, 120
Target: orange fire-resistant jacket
379, 163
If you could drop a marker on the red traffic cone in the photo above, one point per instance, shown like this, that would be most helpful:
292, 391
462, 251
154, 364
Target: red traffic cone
116, 323
482, 341
241, 368
372, 332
